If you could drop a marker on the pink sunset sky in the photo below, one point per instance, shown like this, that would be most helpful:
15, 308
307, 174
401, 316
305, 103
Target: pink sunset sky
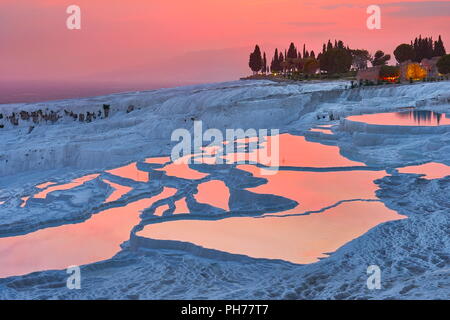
191, 41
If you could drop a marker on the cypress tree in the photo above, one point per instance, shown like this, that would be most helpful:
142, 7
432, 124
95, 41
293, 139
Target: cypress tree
264, 63
416, 49
292, 52
439, 49
419, 50
429, 48
255, 62
329, 45
275, 66
281, 60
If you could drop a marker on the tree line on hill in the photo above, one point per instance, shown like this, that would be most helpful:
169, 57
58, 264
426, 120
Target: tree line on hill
338, 58
420, 49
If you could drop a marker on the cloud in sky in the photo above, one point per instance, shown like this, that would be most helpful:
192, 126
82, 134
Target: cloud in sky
309, 24
420, 8
341, 5
404, 8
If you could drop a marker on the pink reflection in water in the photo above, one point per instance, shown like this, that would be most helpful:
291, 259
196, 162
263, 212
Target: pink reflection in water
75, 183
181, 206
130, 172
214, 193
182, 170
299, 239
161, 209
45, 185
280, 150
296, 151
432, 170
315, 190
97, 239
119, 191
24, 201
325, 131
157, 160
409, 118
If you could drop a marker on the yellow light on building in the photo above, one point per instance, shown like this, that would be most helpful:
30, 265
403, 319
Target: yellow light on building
415, 72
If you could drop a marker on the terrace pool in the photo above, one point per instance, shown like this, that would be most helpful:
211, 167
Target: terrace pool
404, 118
